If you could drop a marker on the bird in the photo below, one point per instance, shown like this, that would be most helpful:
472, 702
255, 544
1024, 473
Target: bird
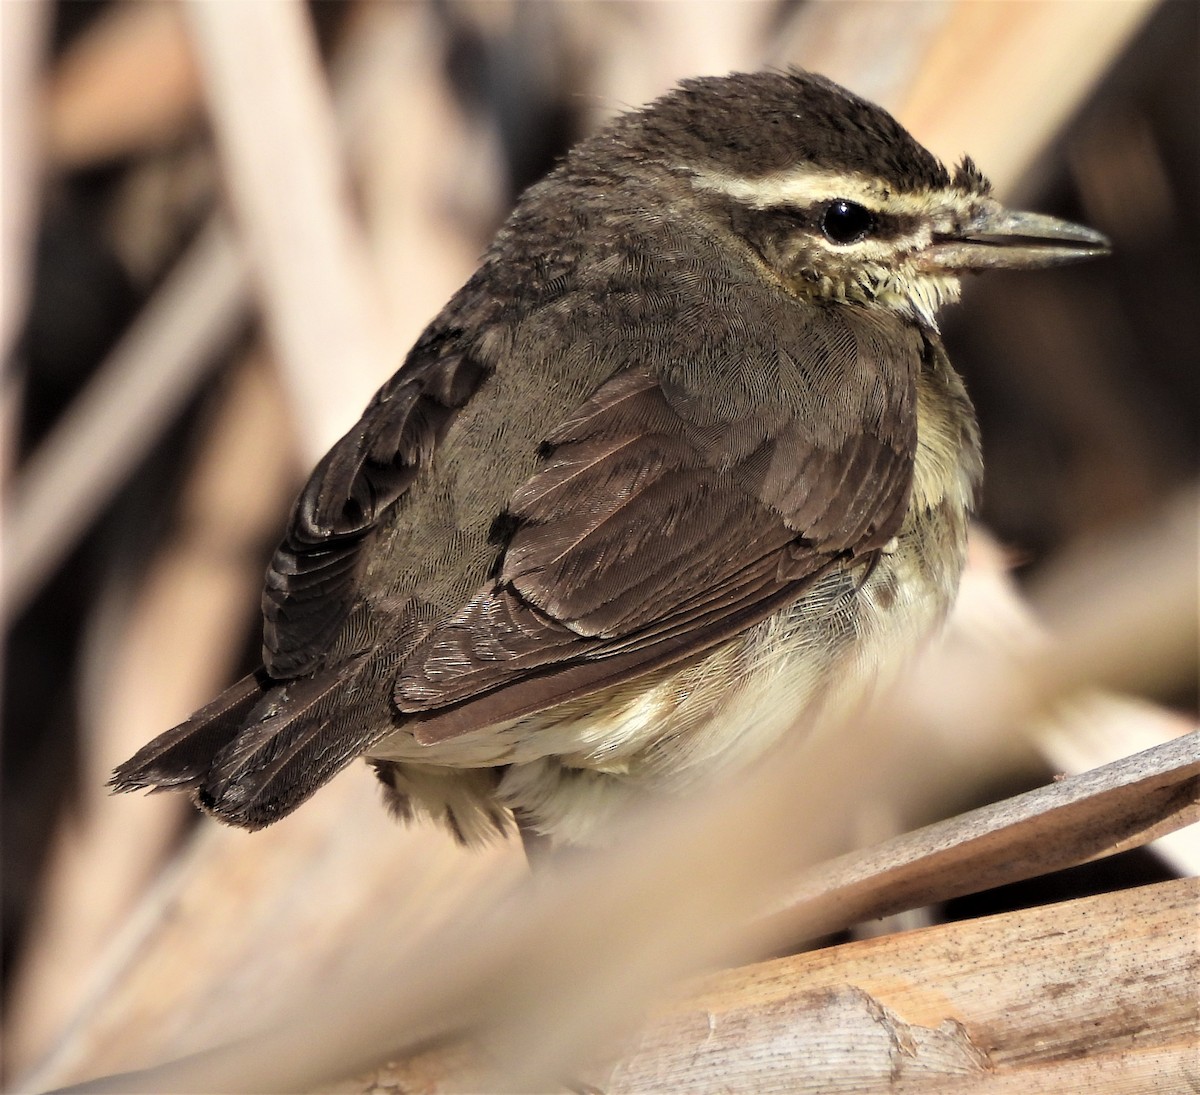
679, 473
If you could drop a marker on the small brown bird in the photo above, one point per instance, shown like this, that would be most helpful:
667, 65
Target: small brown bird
679, 469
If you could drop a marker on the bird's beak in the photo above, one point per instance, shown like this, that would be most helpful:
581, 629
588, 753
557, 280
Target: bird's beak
999, 239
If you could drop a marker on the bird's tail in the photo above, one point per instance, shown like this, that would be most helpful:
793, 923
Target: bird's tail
258, 750
180, 758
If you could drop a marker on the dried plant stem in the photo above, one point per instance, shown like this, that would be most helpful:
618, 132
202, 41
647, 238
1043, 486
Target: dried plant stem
128, 84
147, 377
979, 47
940, 1010
275, 128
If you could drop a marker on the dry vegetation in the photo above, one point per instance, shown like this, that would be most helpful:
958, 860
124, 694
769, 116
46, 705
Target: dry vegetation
223, 224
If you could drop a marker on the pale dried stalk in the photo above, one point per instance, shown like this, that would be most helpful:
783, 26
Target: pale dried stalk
907, 1013
22, 29
997, 80
196, 596
1099, 729
636, 52
874, 48
275, 128
967, 96
430, 178
1119, 805
145, 380
240, 924
1093, 728
128, 84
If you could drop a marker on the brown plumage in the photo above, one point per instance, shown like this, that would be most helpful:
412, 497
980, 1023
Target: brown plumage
683, 462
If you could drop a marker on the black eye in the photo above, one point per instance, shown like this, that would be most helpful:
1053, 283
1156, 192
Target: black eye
846, 222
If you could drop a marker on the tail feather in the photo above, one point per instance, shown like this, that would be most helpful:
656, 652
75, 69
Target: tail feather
180, 758
261, 749
300, 742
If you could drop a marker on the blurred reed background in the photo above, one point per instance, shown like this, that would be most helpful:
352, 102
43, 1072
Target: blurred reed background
223, 226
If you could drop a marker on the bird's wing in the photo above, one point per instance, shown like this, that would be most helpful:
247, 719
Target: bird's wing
662, 521
313, 578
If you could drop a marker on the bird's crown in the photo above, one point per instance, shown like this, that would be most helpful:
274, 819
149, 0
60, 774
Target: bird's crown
764, 124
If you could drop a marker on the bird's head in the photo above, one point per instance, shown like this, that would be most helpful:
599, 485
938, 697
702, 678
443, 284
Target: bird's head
834, 198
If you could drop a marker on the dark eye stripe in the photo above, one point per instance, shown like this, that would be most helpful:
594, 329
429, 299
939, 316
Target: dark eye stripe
884, 226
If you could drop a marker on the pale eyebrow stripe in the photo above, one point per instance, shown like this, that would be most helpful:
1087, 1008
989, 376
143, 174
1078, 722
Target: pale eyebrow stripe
808, 186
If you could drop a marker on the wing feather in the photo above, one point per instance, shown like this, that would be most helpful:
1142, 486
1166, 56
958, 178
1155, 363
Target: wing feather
655, 529
313, 578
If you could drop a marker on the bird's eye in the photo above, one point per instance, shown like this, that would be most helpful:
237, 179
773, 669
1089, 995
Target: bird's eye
846, 222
